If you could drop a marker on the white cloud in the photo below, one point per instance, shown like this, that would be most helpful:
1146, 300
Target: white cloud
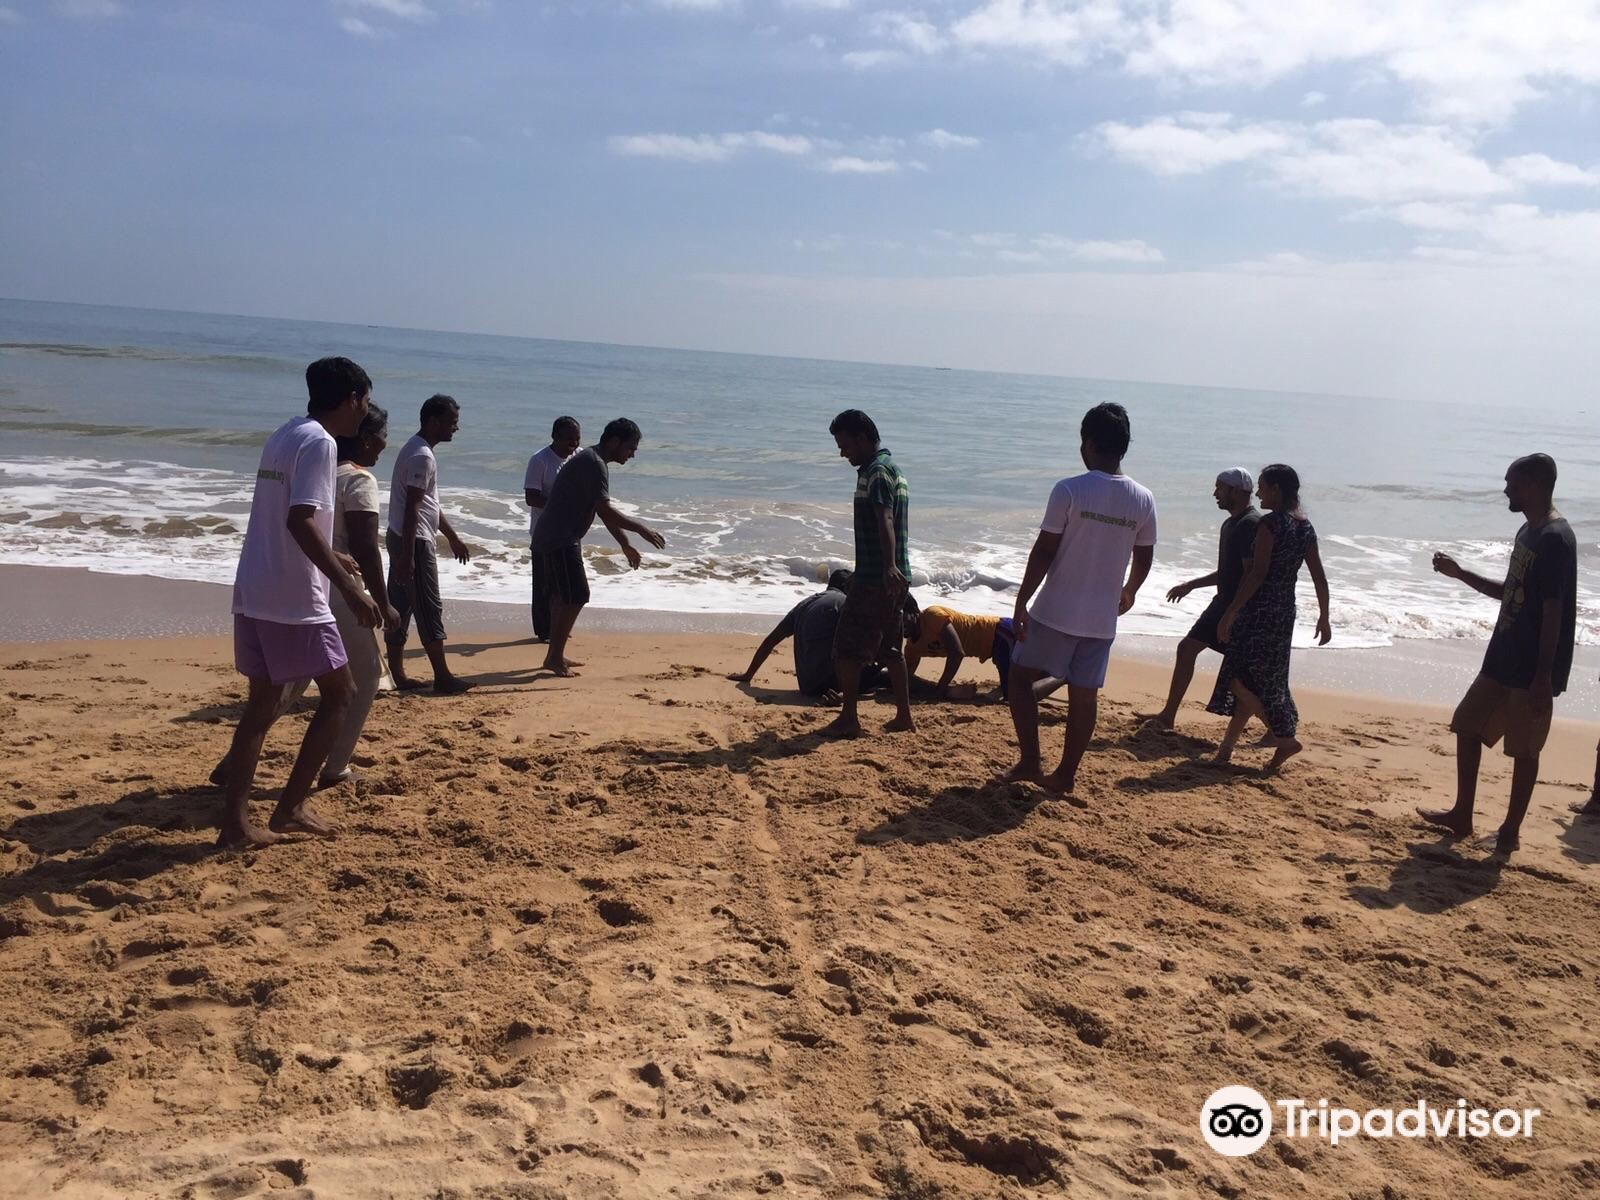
851, 165
943, 139
1190, 142
1542, 170
1472, 61
712, 147
1353, 159
402, 10
356, 27
1020, 256
697, 5
1314, 99
89, 10
1131, 250
863, 60
910, 30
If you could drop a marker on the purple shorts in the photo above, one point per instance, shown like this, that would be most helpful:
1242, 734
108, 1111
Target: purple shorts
285, 653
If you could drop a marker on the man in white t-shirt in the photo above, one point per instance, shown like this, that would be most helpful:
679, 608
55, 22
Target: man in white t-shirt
414, 525
1093, 525
565, 438
283, 627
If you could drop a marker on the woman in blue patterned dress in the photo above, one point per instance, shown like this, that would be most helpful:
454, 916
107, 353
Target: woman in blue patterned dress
1258, 626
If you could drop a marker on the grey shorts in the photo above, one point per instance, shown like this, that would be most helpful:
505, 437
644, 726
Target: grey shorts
417, 596
1081, 661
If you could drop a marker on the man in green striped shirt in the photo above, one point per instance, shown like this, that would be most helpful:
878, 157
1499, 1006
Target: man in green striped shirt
870, 625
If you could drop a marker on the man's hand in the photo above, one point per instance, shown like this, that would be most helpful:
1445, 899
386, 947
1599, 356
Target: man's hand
1019, 623
894, 575
1128, 597
831, 696
459, 549
632, 555
1178, 593
654, 538
1324, 631
1225, 628
391, 618
347, 563
1541, 696
1446, 565
363, 606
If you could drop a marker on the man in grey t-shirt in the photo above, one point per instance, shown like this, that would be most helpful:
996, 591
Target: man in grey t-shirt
812, 624
581, 492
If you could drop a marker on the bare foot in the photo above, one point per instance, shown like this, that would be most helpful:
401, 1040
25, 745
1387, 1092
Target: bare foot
1159, 719
300, 820
328, 781
450, 686
403, 683
1505, 846
1446, 819
1219, 759
1588, 808
1058, 784
1286, 750
219, 775
243, 837
564, 670
1268, 739
572, 662
901, 725
841, 727
1023, 773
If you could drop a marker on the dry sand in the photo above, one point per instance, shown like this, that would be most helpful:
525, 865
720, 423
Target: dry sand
642, 934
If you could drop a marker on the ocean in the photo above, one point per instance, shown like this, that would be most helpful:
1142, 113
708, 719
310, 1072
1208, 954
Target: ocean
131, 439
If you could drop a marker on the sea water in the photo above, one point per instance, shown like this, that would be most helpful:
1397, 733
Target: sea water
130, 440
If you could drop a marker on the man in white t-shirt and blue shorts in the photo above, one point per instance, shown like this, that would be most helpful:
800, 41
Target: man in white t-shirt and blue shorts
1093, 525
284, 631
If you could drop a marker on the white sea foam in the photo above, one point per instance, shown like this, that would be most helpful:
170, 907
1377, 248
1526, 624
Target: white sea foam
149, 518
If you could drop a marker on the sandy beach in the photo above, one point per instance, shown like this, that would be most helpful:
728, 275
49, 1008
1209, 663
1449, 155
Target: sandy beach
643, 934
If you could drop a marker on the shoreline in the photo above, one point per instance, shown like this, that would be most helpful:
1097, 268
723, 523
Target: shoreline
54, 604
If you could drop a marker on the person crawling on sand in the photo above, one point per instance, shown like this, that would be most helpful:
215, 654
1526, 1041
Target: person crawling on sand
870, 623
581, 492
284, 630
812, 624
1093, 525
1529, 656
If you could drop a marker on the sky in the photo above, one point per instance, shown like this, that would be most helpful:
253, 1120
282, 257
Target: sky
1364, 197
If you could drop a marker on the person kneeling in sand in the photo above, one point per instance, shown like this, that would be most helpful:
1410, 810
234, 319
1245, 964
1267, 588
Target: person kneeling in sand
812, 623
1529, 656
284, 630
1093, 525
581, 492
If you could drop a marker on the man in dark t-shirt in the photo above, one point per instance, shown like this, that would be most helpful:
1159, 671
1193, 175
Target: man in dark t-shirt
1234, 546
1530, 652
581, 492
812, 623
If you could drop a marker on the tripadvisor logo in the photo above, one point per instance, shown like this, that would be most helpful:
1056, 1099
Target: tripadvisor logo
1237, 1121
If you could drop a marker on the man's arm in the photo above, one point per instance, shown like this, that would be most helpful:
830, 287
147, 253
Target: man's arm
1183, 589
1143, 556
1451, 569
764, 651
620, 526
1039, 560
888, 544
408, 532
1543, 689
303, 529
457, 546
534, 497
361, 529
954, 655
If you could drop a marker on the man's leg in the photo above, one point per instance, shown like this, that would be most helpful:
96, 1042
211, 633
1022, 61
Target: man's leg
1182, 675
1524, 774
1245, 706
1458, 820
286, 699
541, 613
429, 607
1083, 710
1025, 717
900, 680
563, 617
848, 673
401, 590
292, 816
260, 709
1591, 806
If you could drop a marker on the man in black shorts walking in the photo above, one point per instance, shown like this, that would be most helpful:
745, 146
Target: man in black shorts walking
1237, 539
581, 492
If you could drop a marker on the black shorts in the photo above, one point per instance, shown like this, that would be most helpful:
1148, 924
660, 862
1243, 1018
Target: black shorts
1205, 628
559, 575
